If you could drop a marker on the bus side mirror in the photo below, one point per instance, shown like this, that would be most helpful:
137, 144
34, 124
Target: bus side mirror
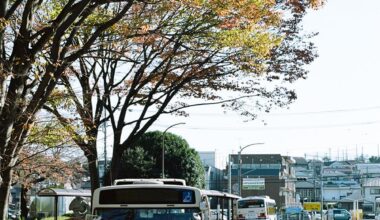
203, 205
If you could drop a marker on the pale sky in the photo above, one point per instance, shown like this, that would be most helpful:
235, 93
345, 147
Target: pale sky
338, 107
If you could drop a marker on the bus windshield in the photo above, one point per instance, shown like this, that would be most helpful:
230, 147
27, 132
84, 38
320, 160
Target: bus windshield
148, 214
252, 203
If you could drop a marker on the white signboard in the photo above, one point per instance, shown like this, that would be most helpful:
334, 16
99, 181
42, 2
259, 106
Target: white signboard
253, 183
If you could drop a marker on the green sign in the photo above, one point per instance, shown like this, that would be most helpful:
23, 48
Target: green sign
253, 184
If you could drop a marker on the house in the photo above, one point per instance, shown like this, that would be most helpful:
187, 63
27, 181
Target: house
308, 189
340, 186
371, 191
368, 170
300, 162
334, 191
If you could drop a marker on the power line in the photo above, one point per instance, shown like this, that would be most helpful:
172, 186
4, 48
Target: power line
281, 127
332, 111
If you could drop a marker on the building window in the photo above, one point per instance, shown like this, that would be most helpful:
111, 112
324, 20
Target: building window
375, 191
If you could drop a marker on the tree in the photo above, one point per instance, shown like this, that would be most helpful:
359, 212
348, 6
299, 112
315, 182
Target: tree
47, 156
195, 50
37, 44
144, 159
81, 112
186, 49
374, 159
36, 167
39, 41
162, 55
326, 159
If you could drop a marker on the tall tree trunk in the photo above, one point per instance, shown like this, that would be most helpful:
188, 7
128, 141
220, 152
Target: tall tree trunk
5, 187
92, 160
94, 171
24, 202
115, 165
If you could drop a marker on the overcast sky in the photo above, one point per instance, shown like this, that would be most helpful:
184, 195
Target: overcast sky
337, 112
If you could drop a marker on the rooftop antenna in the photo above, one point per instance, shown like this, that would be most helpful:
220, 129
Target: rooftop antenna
338, 154
346, 153
356, 157
330, 153
362, 154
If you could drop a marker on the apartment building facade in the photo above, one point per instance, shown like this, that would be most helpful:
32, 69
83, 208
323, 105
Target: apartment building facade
263, 174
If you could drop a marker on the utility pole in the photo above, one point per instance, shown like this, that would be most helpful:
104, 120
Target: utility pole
315, 188
322, 192
338, 154
330, 153
105, 142
362, 155
229, 185
229, 173
356, 156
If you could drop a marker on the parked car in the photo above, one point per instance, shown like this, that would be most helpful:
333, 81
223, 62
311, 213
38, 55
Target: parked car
369, 216
316, 215
338, 214
306, 215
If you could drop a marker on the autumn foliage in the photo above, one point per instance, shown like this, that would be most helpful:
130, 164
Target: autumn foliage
157, 55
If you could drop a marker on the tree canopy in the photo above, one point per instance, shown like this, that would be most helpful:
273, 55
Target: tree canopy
144, 158
374, 159
37, 44
161, 55
165, 57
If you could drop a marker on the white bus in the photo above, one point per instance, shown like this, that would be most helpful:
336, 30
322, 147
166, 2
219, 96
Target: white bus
256, 207
171, 181
151, 202
222, 206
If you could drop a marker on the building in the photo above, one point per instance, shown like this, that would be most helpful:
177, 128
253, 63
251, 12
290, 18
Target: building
308, 187
340, 185
300, 163
213, 174
264, 174
308, 190
371, 191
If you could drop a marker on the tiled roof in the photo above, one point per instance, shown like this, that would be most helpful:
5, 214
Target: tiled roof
355, 196
307, 184
258, 158
300, 160
371, 182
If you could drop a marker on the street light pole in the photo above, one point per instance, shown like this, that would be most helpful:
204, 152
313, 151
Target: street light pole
163, 147
229, 173
239, 161
229, 185
322, 217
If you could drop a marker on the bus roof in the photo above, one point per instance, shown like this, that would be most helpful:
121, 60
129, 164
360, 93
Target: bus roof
258, 197
219, 194
166, 181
